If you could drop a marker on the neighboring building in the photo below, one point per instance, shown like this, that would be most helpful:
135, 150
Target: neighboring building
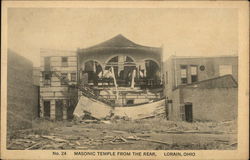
36, 76
57, 68
201, 88
22, 95
36, 83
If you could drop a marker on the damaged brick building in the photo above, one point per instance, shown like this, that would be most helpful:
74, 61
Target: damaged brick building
118, 71
134, 80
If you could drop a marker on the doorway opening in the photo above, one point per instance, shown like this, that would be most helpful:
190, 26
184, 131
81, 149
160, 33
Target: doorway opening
46, 105
59, 110
189, 112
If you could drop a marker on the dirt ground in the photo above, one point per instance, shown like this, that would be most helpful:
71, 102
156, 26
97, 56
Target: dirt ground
150, 134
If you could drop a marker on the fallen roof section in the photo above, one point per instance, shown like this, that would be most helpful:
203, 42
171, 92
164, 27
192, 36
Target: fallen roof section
100, 110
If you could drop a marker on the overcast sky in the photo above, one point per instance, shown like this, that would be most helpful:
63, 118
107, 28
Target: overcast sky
184, 32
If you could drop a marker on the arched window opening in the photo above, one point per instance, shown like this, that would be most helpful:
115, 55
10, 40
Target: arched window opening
91, 71
152, 70
123, 68
149, 74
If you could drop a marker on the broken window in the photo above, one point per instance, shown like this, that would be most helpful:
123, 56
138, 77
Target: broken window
93, 70
194, 74
123, 68
64, 61
183, 74
64, 78
225, 69
73, 77
47, 78
152, 69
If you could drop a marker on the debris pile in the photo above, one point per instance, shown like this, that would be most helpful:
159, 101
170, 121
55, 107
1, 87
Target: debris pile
122, 134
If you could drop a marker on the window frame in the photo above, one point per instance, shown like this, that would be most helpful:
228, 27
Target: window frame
194, 75
73, 80
66, 78
47, 79
64, 63
182, 67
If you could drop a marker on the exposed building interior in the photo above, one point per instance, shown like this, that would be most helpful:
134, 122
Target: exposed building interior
121, 74
122, 71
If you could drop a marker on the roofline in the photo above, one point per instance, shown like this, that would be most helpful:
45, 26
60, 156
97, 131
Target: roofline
187, 57
139, 46
11, 51
56, 52
98, 48
228, 75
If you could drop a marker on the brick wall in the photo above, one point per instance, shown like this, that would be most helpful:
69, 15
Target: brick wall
217, 104
211, 70
56, 91
22, 95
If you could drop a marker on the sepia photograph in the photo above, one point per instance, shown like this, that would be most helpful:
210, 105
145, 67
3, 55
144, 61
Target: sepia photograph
124, 78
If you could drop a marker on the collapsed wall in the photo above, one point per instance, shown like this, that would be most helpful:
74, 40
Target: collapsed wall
100, 110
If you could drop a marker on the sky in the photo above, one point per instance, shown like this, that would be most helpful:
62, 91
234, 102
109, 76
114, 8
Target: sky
181, 32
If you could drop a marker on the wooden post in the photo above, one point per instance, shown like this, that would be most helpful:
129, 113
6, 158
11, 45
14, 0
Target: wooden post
133, 79
113, 75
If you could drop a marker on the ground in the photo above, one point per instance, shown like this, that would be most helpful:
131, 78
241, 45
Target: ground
148, 134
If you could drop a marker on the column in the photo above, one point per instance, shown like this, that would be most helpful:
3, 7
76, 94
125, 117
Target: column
41, 108
52, 109
65, 106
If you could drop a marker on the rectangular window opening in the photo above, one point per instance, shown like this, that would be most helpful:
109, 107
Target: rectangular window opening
183, 74
64, 61
73, 77
47, 78
194, 74
64, 78
130, 101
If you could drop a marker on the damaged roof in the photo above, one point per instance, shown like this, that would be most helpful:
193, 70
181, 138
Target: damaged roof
119, 41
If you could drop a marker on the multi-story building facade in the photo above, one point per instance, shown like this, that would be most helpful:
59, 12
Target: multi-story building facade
195, 84
58, 71
118, 70
122, 73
